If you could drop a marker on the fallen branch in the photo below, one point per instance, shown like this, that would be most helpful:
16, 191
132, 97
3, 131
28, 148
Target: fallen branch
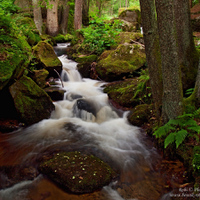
59, 78
137, 43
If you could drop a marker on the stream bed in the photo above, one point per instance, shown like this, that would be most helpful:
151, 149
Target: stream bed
83, 121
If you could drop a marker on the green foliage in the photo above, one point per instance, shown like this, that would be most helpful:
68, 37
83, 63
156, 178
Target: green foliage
142, 89
196, 160
99, 36
8, 6
63, 38
27, 28
194, 2
176, 130
189, 91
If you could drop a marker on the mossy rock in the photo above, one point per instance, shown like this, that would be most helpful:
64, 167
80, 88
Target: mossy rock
132, 15
47, 58
129, 37
121, 63
31, 102
88, 59
140, 115
63, 38
77, 172
125, 93
29, 29
40, 76
15, 52
49, 39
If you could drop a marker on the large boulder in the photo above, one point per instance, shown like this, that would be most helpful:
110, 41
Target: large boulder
31, 102
131, 15
46, 58
121, 63
129, 93
77, 172
15, 53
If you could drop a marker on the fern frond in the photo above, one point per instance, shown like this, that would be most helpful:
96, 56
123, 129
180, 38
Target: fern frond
197, 113
170, 139
190, 122
175, 122
194, 128
163, 130
180, 137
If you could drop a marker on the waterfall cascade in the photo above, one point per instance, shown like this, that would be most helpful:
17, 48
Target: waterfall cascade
83, 120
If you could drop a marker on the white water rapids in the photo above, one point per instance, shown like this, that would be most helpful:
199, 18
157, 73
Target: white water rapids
83, 121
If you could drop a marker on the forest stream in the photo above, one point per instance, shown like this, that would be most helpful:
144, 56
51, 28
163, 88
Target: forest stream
83, 121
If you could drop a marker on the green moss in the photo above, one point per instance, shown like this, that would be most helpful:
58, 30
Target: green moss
63, 38
128, 37
124, 60
15, 52
77, 172
132, 8
140, 115
44, 52
89, 59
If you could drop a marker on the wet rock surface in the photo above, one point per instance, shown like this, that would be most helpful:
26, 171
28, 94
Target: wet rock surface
77, 173
31, 102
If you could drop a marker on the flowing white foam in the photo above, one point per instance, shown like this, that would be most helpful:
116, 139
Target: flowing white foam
18, 191
89, 123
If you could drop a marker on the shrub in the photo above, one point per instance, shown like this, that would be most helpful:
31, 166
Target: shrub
99, 36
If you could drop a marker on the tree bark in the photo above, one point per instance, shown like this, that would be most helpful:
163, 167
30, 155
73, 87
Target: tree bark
152, 49
188, 56
37, 13
172, 105
64, 17
99, 6
85, 12
52, 18
78, 14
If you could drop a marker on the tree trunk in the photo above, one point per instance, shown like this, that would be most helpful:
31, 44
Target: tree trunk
188, 56
126, 3
85, 12
64, 17
52, 18
151, 39
37, 13
197, 85
172, 105
99, 5
78, 14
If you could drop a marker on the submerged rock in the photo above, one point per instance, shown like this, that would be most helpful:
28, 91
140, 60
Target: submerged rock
31, 102
77, 172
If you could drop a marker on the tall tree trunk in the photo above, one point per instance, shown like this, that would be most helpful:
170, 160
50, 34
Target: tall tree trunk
37, 13
187, 53
172, 88
99, 5
152, 49
85, 12
52, 18
64, 17
78, 14
197, 85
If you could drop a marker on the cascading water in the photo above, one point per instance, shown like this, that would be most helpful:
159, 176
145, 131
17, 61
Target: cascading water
82, 121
